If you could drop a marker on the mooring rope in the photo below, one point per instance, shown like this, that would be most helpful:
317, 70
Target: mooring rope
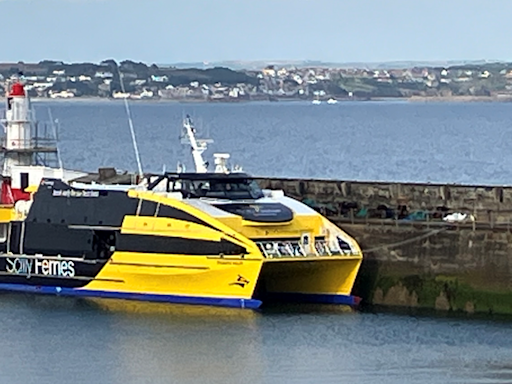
408, 241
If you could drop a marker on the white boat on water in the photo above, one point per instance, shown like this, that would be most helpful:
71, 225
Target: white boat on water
316, 102
332, 101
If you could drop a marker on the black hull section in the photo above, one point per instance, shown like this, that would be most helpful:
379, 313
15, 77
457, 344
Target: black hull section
45, 271
70, 234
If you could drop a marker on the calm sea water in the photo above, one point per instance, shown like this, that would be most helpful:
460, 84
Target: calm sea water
437, 142
61, 341
64, 340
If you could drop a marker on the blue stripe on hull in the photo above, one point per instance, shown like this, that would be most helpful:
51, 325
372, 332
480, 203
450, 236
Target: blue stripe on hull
314, 298
50, 290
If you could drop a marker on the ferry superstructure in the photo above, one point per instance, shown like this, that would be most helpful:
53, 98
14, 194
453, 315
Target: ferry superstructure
199, 238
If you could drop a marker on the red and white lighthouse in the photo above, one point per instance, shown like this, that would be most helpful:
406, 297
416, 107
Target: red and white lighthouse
29, 150
18, 146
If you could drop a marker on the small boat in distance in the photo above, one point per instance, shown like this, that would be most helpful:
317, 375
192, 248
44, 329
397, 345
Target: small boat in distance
332, 101
205, 237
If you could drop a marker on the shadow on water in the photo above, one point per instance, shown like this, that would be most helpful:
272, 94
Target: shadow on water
435, 314
143, 308
277, 308
134, 309
119, 309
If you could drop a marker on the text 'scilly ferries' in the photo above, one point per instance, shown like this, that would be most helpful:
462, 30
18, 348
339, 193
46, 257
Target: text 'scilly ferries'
200, 238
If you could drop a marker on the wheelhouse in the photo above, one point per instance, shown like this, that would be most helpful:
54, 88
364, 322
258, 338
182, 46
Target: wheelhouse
236, 186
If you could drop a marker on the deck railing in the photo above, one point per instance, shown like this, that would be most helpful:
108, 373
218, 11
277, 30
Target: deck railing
295, 249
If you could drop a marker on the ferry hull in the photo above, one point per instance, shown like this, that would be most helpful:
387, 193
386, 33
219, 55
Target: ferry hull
202, 280
315, 280
210, 280
179, 299
180, 278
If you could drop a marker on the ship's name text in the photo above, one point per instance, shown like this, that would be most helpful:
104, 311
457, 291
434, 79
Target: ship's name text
73, 193
45, 267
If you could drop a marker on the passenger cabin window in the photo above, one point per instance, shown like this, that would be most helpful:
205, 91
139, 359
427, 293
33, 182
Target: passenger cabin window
146, 208
233, 189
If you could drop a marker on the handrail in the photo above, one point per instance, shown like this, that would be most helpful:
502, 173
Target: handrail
295, 249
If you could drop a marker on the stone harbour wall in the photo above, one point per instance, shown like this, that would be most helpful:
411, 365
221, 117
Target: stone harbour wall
418, 260
487, 203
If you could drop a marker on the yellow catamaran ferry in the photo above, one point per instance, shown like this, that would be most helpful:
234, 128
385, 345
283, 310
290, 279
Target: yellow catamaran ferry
199, 238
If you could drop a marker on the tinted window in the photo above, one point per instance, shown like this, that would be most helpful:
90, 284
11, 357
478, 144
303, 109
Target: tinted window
232, 189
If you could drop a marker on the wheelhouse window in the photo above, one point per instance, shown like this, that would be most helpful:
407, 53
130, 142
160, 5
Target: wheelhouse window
216, 186
233, 189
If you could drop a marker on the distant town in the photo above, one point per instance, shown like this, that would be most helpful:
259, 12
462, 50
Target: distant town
135, 80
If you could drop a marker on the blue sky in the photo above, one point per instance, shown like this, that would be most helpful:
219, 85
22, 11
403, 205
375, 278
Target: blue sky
169, 31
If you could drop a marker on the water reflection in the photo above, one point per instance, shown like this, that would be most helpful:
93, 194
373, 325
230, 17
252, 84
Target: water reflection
123, 341
62, 340
180, 343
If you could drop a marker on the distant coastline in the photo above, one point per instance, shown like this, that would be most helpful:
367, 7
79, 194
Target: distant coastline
53, 80
412, 99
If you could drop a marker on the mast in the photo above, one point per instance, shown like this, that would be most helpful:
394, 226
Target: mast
197, 146
130, 124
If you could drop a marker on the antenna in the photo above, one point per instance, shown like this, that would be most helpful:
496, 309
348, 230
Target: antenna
54, 128
130, 123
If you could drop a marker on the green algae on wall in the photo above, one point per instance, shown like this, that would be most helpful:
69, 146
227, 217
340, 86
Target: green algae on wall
438, 292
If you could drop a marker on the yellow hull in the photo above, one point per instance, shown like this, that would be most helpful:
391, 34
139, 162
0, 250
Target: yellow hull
328, 279
192, 276
231, 282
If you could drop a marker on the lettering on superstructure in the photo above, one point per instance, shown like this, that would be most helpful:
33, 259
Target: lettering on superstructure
46, 267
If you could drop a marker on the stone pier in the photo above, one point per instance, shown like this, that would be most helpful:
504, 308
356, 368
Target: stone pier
412, 258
